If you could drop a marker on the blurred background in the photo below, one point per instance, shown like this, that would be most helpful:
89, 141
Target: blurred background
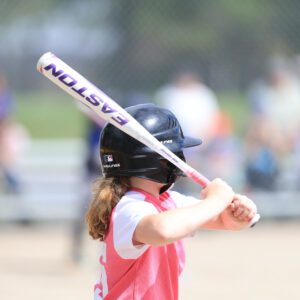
229, 70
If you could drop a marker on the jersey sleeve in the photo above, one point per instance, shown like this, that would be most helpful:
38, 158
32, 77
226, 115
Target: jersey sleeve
183, 200
127, 215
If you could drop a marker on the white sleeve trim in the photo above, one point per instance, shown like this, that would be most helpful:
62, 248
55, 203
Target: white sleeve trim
129, 212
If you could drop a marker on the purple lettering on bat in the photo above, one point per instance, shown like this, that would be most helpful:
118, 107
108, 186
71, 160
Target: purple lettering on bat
54, 72
106, 108
80, 91
63, 78
96, 99
93, 99
120, 119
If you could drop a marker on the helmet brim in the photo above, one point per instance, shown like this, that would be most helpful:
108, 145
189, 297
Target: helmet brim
191, 142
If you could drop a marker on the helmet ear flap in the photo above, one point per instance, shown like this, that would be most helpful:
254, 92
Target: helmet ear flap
172, 172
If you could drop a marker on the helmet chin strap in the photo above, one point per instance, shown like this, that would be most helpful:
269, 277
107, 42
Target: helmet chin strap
173, 175
166, 187
171, 180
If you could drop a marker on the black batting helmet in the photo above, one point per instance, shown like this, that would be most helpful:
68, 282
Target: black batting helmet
122, 155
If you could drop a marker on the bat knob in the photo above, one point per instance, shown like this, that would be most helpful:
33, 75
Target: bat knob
254, 220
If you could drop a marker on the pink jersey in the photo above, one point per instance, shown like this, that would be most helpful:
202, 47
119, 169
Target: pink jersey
140, 272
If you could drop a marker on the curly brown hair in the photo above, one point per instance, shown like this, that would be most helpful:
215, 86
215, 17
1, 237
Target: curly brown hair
107, 192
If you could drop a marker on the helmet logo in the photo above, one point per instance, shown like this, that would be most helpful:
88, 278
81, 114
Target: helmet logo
108, 158
109, 162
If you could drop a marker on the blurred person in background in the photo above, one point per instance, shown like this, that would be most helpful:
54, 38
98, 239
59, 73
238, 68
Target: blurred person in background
196, 108
6, 100
192, 101
224, 152
12, 139
273, 131
91, 172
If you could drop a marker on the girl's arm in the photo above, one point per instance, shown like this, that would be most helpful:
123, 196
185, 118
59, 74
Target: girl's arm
170, 226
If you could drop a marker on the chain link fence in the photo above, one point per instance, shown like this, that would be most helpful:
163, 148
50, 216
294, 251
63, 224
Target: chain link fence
130, 45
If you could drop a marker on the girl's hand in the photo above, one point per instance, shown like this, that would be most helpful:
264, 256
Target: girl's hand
243, 208
218, 190
239, 213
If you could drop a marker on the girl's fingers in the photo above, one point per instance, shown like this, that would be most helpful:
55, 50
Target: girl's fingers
243, 208
244, 214
234, 205
251, 215
238, 211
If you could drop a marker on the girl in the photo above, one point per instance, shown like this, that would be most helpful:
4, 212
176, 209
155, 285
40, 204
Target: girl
141, 221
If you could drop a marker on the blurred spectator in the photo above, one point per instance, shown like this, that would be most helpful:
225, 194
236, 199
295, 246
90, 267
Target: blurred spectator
194, 104
196, 108
12, 136
6, 103
224, 155
274, 126
92, 171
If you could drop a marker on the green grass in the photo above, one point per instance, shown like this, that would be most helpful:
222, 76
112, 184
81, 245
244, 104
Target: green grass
49, 115
55, 114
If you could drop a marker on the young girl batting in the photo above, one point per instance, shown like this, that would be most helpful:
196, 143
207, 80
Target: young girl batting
141, 221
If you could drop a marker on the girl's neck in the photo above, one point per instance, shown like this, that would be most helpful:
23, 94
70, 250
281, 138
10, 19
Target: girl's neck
146, 185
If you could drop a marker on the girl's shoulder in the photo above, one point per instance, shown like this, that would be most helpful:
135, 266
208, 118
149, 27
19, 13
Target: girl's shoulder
134, 201
135, 195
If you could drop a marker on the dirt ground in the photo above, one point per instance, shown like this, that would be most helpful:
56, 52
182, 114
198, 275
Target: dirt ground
258, 264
